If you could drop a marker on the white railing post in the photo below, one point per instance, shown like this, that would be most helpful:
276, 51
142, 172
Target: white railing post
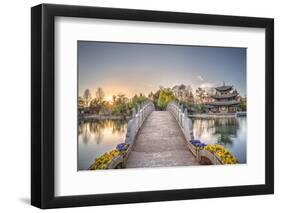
138, 116
185, 118
134, 113
129, 133
181, 115
140, 111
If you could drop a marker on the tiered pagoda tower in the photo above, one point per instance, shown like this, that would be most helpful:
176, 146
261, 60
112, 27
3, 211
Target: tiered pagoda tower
225, 100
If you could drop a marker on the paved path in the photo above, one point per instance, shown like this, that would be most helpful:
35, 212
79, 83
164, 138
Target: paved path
160, 143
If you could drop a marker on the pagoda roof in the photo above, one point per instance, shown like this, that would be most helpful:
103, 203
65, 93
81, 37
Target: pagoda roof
230, 95
224, 103
223, 88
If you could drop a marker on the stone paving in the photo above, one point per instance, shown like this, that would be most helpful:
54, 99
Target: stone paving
160, 143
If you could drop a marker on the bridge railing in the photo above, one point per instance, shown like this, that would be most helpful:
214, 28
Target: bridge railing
185, 123
138, 117
181, 115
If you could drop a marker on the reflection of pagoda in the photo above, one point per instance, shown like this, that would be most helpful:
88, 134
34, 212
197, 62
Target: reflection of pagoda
225, 100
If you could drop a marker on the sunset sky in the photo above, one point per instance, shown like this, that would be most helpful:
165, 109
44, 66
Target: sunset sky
131, 69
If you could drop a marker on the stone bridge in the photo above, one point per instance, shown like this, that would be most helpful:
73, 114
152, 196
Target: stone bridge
161, 138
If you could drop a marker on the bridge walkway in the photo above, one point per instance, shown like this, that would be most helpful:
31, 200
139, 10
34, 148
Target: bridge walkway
160, 143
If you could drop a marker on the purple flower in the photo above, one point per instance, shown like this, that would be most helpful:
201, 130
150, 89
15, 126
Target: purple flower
198, 143
121, 147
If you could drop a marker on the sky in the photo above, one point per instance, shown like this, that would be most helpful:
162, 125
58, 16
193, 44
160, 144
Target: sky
131, 68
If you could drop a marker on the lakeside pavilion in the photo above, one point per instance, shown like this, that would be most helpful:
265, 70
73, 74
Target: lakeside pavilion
226, 100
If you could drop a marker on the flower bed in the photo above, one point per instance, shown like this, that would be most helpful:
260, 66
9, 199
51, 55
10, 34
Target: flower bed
222, 153
107, 160
104, 161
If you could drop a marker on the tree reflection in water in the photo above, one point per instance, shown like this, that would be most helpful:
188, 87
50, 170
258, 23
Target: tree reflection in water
97, 137
230, 132
216, 130
97, 129
226, 130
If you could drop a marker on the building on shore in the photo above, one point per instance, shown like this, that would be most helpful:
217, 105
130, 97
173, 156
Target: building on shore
225, 100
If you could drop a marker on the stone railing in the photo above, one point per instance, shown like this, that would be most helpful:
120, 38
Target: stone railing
138, 117
181, 115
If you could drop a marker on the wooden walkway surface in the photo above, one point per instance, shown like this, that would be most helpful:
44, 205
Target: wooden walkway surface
160, 143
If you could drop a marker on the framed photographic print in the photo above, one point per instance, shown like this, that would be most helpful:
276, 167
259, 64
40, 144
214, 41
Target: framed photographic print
139, 106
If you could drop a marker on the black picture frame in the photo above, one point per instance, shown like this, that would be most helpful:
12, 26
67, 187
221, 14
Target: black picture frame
43, 102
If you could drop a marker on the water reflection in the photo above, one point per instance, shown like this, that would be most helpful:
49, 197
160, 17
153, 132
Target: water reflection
230, 132
97, 137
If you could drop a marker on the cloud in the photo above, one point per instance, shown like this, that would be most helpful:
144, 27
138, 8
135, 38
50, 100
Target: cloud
200, 77
207, 85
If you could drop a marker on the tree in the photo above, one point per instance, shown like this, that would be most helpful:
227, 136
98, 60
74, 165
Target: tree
150, 95
200, 94
121, 104
121, 99
87, 97
243, 104
100, 94
81, 103
113, 98
165, 96
95, 106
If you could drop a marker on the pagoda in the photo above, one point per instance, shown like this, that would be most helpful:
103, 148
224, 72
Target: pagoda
226, 100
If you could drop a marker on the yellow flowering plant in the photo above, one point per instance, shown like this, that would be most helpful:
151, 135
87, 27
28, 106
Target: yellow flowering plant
222, 153
103, 161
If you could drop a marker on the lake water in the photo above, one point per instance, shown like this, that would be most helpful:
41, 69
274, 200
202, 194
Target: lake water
230, 132
97, 137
